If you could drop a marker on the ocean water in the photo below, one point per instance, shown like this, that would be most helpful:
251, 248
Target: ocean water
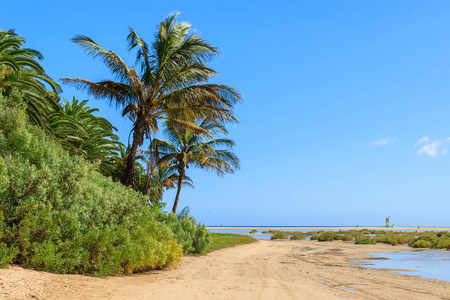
434, 264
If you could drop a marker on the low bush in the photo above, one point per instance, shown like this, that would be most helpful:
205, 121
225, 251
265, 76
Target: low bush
253, 231
315, 237
421, 244
328, 236
347, 237
297, 236
279, 235
365, 240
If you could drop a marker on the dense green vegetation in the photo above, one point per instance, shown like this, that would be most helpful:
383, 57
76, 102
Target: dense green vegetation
226, 240
61, 215
73, 198
440, 240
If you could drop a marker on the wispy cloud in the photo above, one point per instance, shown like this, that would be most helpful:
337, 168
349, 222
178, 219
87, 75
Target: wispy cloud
383, 142
432, 148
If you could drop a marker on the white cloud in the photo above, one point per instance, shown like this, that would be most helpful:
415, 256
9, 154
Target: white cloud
432, 148
422, 140
383, 142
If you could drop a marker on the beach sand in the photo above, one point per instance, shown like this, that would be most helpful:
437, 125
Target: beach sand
262, 270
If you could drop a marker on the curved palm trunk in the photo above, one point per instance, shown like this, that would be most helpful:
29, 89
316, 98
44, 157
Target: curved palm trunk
129, 178
148, 179
181, 175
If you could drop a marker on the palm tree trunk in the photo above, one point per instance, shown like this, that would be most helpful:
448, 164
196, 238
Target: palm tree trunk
129, 178
148, 179
181, 175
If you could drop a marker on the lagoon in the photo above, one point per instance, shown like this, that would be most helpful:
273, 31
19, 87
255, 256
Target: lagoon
433, 264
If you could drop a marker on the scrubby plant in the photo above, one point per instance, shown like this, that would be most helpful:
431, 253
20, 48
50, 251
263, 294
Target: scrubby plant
419, 243
328, 236
365, 240
61, 215
194, 237
315, 237
265, 232
279, 235
253, 231
297, 236
347, 237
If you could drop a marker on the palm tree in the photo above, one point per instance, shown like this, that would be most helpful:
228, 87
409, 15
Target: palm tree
170, 82
186, 148
138, 173
20, 70
81, 132
167, 177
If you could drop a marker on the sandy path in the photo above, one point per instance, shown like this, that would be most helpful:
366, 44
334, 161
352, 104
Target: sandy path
263, 270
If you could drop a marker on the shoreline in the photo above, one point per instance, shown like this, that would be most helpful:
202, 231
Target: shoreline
312, 228
262, 270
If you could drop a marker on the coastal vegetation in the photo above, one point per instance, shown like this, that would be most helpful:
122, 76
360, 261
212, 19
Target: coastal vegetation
73, 197
226, 240
279, 235
424, 239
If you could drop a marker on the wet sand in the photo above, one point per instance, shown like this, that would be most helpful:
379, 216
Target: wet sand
262, 270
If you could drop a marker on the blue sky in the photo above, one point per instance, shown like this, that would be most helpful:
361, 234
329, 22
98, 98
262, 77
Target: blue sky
345, 118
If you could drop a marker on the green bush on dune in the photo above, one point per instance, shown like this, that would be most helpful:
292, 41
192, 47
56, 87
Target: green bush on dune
60, 215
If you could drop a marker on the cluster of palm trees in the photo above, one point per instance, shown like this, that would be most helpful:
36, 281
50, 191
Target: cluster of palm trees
168, 89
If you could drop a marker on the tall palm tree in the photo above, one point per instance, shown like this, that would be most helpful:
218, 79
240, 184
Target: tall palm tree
20, 70
170, 82
186, 148
81, 132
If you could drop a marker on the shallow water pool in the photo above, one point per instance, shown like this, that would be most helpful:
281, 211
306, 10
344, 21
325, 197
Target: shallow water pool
434, 264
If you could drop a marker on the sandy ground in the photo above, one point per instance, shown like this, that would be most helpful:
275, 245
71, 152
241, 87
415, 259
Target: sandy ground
262, 270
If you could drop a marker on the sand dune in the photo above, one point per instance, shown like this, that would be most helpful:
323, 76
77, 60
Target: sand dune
263, 270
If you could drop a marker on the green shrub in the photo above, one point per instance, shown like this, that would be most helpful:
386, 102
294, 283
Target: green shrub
265, 232
253, 231
60, 215
315, 237
347, 237
297, 236
279, 235
419, 243
328, 236
193, 237
365, 240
